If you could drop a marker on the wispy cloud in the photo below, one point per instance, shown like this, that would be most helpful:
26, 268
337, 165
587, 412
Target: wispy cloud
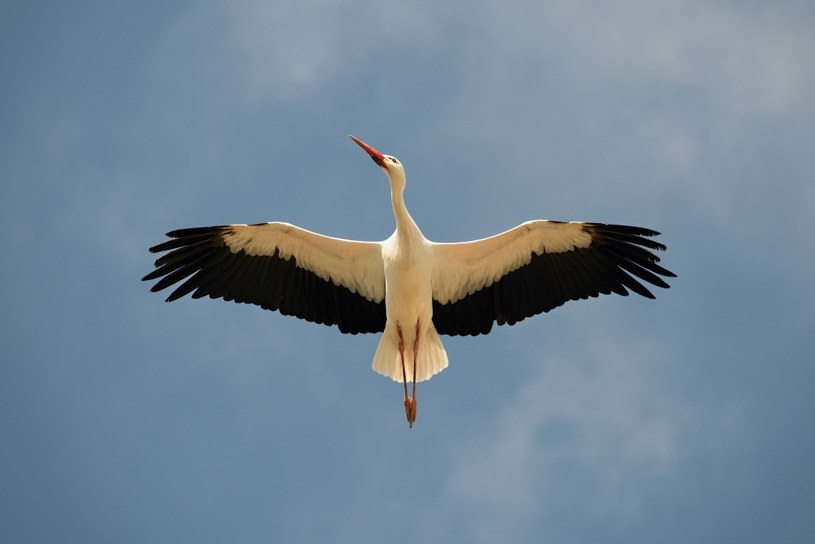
293, 48
748, 60
576, 428
651, 98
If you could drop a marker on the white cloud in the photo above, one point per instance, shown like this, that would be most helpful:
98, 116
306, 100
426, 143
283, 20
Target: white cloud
290, 48
750, 60
602, 427
648, 101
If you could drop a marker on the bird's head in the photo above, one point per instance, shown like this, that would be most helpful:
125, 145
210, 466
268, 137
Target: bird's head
391, 165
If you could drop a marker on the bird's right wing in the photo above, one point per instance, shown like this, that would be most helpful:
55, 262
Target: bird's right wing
278, 266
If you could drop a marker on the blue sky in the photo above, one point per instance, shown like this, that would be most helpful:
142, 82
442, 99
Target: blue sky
685, 419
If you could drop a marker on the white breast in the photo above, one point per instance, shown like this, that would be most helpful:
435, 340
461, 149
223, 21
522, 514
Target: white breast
408, 291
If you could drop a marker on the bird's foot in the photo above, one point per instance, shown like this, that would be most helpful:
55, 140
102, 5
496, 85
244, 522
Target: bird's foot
410, 410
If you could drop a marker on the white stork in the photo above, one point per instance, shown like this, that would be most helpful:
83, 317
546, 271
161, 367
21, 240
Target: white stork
407, 287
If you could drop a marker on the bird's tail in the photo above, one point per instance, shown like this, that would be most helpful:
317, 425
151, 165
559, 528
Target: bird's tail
432, 357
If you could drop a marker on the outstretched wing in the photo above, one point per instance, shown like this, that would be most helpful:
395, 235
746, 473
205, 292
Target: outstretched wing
537, 266
278, 266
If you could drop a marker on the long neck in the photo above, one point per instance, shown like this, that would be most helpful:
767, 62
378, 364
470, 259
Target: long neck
406, 227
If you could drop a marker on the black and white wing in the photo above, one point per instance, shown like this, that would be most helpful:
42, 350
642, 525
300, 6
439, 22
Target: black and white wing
537, 266
277, 266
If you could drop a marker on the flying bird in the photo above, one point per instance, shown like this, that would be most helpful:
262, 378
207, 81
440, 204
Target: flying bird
408, 288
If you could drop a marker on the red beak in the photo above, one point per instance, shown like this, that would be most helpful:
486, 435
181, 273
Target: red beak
378, 157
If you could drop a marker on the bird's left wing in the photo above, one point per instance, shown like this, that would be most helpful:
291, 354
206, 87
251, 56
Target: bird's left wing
278, 266
535, 267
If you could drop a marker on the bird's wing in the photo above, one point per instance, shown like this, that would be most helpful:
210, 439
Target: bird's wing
278, 266
535, 267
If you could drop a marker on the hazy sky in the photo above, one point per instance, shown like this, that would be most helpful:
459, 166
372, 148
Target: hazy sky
684, 419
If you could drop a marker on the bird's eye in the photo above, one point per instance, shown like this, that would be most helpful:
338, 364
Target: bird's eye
393, 159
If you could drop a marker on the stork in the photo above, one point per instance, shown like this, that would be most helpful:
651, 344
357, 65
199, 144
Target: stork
408, 288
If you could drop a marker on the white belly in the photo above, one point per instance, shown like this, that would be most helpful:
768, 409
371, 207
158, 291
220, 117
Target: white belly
408, 294
409, 312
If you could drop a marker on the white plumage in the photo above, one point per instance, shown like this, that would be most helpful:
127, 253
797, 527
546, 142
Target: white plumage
407, 287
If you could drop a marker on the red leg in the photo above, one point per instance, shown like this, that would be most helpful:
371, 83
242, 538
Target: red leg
410, 402
415, 359
402, 359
